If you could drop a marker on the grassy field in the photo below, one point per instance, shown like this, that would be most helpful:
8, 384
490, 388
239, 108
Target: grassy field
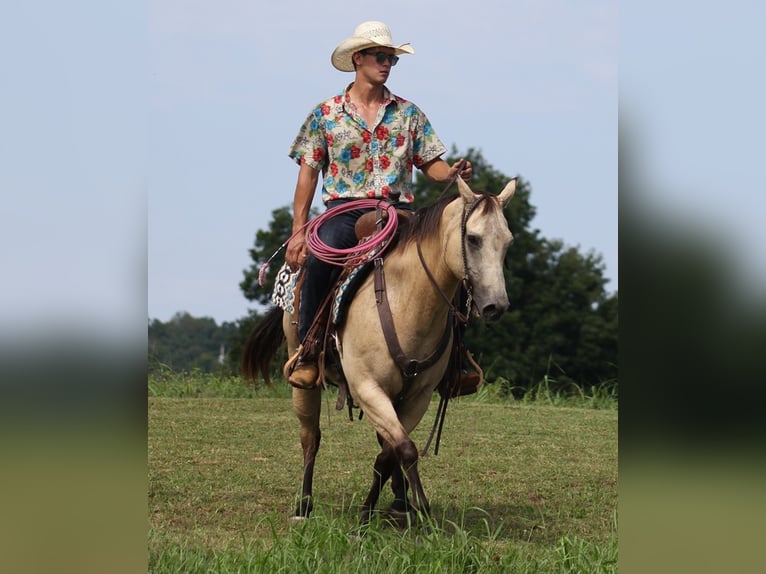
517, 487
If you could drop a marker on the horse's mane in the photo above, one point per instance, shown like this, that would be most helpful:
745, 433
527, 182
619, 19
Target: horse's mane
425, 222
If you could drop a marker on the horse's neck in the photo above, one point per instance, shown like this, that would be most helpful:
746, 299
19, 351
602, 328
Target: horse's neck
441, 277
435, 254
412, 294
418, 302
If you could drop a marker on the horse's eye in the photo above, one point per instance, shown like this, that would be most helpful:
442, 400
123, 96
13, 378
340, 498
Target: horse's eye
473, 240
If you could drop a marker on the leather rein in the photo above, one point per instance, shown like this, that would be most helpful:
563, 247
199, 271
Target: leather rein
411, 367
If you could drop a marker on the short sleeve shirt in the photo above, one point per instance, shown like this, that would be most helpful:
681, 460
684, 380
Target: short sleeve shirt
358, 161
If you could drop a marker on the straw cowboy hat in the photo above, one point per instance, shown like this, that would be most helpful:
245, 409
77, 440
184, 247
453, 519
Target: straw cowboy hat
367, 35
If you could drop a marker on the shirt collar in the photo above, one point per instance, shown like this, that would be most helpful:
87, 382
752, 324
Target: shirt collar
388, 97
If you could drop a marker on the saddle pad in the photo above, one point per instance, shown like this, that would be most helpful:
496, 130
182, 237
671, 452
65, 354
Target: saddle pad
346, 290
348, 287
283, 295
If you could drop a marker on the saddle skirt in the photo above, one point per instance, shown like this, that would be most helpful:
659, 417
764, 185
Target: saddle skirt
283, 295
286, 283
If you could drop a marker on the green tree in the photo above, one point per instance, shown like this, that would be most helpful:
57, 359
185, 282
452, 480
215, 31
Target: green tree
244, 327
187, 343
267, 243
562, 323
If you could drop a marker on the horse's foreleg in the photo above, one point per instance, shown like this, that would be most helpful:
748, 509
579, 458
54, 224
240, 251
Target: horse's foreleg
385, 464
407, 453
307, 405
401, 504
397, 463
383, 416
410, 414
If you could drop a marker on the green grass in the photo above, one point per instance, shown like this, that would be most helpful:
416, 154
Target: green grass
517, 486
166, 383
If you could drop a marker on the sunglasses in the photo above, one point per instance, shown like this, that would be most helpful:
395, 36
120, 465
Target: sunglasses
381, 57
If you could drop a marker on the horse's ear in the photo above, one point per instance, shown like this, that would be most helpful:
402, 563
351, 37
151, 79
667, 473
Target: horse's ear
465, 191
507, 193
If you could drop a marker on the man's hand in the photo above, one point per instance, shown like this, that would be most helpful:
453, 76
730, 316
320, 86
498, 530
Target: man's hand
296, 251
464, 167
440, 171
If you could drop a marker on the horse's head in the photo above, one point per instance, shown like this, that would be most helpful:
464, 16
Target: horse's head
485, 238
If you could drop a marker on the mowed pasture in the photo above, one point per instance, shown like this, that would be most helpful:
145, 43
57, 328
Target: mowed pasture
516, 487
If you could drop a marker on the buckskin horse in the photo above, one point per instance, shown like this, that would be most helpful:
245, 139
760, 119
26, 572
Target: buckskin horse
462, 238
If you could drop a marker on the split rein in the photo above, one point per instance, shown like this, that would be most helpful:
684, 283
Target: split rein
462, 317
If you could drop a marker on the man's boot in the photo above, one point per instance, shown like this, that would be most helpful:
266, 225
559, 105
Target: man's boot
304, 372
305, 375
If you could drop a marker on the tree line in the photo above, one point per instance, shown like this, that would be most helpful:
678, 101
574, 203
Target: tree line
561, 325
187, 344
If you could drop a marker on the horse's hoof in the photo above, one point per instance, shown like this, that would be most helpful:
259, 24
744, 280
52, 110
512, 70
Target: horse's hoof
303, 508
402, 518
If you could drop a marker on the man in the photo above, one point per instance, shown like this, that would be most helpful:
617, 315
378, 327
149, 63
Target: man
365, 142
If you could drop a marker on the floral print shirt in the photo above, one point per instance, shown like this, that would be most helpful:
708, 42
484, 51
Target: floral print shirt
360, 161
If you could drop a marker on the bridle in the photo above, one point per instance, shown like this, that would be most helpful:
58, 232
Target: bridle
411, 367
465, 280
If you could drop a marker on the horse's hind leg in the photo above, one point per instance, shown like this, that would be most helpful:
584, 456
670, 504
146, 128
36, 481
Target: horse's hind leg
307, 405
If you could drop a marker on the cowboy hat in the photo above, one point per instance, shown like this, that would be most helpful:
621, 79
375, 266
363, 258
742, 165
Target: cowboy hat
367, 35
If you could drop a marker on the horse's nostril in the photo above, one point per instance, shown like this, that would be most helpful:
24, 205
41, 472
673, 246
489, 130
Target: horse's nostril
492, 312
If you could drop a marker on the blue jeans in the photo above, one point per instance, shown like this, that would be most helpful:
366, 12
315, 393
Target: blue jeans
337, 232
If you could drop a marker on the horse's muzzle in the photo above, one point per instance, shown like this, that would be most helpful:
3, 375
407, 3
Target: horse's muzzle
493, 312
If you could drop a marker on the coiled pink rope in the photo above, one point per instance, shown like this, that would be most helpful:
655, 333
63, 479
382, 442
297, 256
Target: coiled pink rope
358, 253
355, 255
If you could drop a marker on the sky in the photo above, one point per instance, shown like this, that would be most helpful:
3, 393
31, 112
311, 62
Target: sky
73, 177
144, 144
533, 85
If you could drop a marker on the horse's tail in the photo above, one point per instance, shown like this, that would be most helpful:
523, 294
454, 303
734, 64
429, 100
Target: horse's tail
262, 344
